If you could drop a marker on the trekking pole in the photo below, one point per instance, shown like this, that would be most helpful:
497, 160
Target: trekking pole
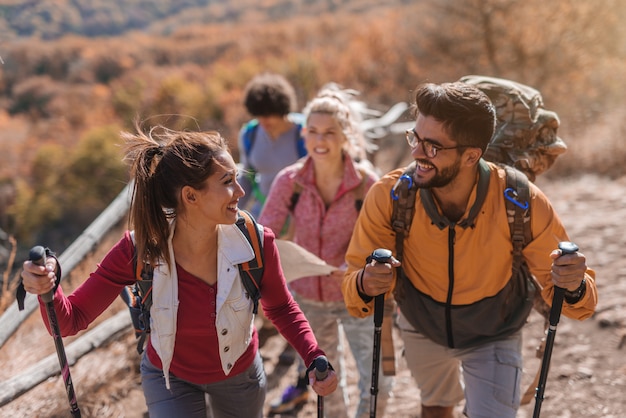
321, 371
555, 315
38, 256
381, 255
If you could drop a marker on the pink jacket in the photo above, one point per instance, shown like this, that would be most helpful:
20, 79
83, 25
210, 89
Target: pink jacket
324, 231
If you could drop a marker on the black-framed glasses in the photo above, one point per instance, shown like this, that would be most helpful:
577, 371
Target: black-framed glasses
430, 148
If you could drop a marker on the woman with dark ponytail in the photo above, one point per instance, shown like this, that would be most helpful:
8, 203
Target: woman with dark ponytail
202, 338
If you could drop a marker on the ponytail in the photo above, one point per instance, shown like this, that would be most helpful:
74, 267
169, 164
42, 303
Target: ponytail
147, 216
162, 162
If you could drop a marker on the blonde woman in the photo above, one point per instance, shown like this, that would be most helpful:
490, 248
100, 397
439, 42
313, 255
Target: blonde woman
322, 194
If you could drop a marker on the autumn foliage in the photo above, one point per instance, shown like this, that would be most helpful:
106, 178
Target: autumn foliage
66, 94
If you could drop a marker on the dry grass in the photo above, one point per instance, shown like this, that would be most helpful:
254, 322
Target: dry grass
100, 377
9, 279
598, 149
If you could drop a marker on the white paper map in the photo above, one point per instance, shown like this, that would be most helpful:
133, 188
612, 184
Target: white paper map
298, 262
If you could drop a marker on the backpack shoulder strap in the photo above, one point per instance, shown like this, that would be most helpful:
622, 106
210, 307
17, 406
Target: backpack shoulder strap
138, 297
360, 191
143, 273
517, 195
249, 135
252, 271
299, 120
403, 196
295, 196
297, 189
300, 141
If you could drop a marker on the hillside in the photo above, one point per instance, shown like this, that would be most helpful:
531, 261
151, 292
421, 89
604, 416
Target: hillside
102, 18
587, 374
73, 74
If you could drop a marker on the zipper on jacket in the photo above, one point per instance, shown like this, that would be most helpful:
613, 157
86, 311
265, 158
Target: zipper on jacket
451, 239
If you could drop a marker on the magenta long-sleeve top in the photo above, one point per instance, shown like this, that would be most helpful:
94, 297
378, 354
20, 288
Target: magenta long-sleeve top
196, 356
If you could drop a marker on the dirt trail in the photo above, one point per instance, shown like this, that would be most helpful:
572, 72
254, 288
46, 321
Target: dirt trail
587, 375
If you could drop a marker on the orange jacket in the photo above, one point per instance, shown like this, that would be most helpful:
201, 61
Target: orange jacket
482, 255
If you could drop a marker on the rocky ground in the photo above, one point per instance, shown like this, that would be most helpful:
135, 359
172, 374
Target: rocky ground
587, 375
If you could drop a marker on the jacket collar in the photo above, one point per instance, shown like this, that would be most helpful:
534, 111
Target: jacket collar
233, 245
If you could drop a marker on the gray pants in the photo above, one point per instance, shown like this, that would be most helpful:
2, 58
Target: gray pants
487, 376
186, 399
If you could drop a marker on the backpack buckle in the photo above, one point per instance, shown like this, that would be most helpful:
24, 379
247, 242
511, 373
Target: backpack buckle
404, 177
511, 195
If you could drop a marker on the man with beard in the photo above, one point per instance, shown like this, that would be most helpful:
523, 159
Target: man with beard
457, 295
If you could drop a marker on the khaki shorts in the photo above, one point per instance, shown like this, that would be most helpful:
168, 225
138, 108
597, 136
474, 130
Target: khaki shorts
487, 376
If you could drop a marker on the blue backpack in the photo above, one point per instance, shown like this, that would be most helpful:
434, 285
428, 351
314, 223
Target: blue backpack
249, 135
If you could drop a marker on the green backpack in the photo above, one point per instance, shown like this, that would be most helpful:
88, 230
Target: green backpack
526, 133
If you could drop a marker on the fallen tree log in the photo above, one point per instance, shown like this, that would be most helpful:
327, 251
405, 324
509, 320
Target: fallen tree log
110, 329
12, 317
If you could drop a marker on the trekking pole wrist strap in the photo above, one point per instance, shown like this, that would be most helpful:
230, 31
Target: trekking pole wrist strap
575, 296
359, 287
57, 272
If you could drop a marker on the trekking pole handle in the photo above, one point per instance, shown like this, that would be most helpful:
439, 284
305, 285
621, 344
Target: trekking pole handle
321, 372
37, 255
566, 247
380, 255
321, 368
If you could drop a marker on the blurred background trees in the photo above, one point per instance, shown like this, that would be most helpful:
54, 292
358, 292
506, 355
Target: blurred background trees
75, 73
